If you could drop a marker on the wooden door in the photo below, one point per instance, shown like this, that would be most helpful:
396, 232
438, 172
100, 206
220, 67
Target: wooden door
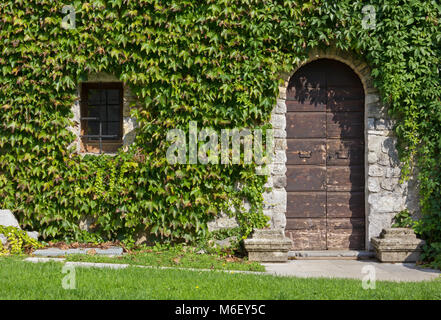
325, 157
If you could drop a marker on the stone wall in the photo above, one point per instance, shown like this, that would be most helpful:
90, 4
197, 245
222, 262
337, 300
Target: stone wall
276, 200
385, 196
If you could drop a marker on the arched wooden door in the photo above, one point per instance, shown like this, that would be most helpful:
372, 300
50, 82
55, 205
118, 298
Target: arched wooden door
325, 157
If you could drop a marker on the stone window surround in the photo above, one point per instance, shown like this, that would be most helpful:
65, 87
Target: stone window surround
129, 123
384, 195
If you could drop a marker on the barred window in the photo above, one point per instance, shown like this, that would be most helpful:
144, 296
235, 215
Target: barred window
101, 116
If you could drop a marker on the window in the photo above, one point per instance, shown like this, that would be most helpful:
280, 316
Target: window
101, 116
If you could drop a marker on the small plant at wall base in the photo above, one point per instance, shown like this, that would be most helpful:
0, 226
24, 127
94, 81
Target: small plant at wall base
18, 241
431, 251
432, 254
213, 62
404, 220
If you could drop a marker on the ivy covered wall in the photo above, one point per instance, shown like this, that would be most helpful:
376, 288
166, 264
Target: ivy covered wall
214, 62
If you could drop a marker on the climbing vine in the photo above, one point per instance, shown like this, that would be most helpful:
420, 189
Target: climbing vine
215, 62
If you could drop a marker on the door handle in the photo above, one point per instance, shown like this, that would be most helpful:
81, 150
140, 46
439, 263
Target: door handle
305, 154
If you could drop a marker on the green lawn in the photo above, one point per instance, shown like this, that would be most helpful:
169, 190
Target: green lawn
25, 280
175, 259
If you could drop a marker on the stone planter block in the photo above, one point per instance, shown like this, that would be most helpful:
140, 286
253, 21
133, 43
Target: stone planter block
397, 245
268, 246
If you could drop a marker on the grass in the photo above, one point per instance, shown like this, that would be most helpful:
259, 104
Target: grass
25, 280
171, 258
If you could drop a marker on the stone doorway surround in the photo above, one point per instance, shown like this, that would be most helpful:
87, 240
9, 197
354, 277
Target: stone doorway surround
385, 196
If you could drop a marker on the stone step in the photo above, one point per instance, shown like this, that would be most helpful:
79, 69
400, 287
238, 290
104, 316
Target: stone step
55, 252
331, 255
398, 233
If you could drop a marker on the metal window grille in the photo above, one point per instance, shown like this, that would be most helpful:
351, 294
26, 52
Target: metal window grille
106, 116
99, 136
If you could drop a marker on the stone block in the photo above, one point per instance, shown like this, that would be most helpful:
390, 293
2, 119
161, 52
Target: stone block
275, 200
279, 196
375, 143
372, 98
280, 107
393, 172
279, 133
392, 233
279, 181
372, 157
7, 219
277, 169
390, 184
373, 185
373, 109
279, 220
279, 157
371, 124
377, 221
386, 202
225, 243
383, 159
222, 222
268, 245
365, 71
55, 252
280, 144
397, 245
394, 159
398, 256
33, 234
376, 171
282, 93
384, 124
279, 208
278, 121
383, 133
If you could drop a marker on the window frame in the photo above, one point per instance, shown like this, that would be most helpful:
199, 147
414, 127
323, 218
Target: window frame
84, 107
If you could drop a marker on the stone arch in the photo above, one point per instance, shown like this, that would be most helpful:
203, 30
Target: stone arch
360, 67
384, 195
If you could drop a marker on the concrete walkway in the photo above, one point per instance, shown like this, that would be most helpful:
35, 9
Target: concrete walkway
352, 269
349, 269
